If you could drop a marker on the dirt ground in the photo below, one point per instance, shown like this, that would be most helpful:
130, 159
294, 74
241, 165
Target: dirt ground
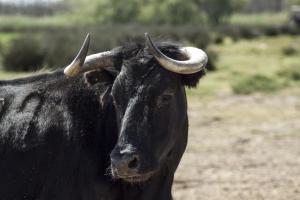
242, 148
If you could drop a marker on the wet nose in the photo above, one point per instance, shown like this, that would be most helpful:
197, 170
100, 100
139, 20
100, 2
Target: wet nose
126, 164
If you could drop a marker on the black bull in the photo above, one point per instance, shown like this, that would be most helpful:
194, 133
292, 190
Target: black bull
63, 138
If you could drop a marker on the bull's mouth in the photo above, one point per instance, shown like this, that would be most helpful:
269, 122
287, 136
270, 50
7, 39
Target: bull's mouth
136, 179
132, 178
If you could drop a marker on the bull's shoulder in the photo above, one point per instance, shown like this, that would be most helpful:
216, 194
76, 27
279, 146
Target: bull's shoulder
46, 105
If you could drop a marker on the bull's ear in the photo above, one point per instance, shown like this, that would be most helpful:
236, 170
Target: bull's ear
191, 80
98, 76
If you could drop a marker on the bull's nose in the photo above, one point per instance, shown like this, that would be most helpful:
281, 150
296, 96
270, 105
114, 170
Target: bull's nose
127, 164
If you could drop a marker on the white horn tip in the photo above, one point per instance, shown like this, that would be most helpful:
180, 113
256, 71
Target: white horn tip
73, 69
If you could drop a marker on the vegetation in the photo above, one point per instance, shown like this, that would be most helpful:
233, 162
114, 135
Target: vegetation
87, 12
20, 23
160, 12
250, 66
290, 50
11, 75
290, 72
259, 19
55, 48
256, 83
35, 8
24, 54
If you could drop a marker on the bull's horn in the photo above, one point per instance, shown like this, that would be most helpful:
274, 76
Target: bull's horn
83, 64
75, 67
197, 59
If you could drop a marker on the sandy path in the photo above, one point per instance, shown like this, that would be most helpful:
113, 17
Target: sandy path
242, 147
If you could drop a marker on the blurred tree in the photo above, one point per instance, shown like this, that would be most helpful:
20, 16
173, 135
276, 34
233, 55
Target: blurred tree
148, 11
24, 54
118, 11
258, 6
175, 12
31, 8
293, 2
171, 12
218, 10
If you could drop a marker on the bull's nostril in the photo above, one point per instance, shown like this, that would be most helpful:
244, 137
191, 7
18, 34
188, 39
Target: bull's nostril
133, 163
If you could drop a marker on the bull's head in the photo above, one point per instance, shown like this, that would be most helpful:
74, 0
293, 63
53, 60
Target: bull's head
149, 98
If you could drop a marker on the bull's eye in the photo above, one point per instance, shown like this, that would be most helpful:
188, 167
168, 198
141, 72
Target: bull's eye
164, 100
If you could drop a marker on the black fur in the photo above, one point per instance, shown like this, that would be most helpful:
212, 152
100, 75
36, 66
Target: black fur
58, 134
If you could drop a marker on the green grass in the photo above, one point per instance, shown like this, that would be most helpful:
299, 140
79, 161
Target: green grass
240, 63
11, 75
5, 38
21, 22
262, 19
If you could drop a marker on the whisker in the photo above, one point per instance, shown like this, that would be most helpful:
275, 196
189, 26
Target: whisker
108, 171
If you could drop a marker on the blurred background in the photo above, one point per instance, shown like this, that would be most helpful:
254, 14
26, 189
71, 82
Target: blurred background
244, 138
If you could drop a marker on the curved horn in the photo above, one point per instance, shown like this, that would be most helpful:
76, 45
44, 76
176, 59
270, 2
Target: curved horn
197, 59
83, 63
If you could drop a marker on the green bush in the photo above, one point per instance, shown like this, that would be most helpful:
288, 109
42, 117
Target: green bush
61, 46
1, 48
272, 30
219, 39
290, 73
256, 83
290, 50
212, 59
237, 31
56, 48
253, 31
24, 54
218, 10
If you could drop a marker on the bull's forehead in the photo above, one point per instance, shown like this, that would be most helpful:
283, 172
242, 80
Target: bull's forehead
147, 78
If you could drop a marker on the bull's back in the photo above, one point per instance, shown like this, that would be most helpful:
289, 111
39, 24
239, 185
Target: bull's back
29, 111
42, 138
